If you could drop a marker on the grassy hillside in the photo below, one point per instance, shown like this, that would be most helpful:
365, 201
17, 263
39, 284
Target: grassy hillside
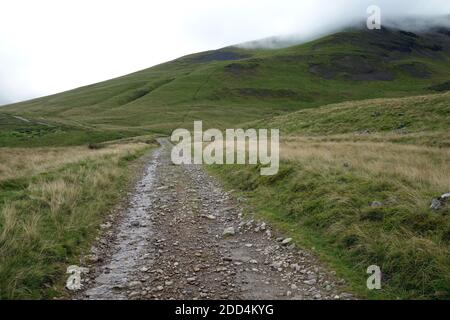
415, 120
234, 85
356, 186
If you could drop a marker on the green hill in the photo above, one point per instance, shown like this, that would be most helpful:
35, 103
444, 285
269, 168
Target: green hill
234, 85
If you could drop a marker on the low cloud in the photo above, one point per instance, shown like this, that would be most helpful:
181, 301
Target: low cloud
3, 101
418, 23
412, 23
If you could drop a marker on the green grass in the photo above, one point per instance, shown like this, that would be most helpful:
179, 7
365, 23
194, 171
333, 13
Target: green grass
37, 133
414, 120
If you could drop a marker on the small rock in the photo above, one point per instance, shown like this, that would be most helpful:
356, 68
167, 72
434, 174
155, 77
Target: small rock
253, 261
191, 279
221, 269
286, 241
159, 288
168, 283
276, 265
310, 282
134, 284
376, 204
106, 225
135, 224
295, 267
435, 204
228, 231
445, 196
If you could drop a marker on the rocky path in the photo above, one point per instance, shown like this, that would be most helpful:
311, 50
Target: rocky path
181, 236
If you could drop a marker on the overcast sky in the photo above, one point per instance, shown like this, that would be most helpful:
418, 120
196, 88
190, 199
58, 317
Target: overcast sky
48, 46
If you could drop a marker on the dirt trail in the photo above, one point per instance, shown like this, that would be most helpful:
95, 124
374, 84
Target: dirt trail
169, 244
21, 119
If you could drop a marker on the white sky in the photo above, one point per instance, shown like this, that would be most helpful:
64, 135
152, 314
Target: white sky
47, 46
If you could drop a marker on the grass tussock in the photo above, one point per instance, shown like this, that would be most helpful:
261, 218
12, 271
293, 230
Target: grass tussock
52, 201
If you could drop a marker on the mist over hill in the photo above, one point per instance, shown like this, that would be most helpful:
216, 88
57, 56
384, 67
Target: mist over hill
416, 23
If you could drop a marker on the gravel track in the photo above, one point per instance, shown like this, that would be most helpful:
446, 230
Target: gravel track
168, 242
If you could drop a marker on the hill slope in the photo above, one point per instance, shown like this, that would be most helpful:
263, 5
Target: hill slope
423, 120
234, 85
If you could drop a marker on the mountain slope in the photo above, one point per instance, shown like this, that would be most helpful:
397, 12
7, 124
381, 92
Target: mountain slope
234, 85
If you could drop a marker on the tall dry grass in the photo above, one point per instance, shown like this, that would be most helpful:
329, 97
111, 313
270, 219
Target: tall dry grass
423, 166
51, 215
25, 162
